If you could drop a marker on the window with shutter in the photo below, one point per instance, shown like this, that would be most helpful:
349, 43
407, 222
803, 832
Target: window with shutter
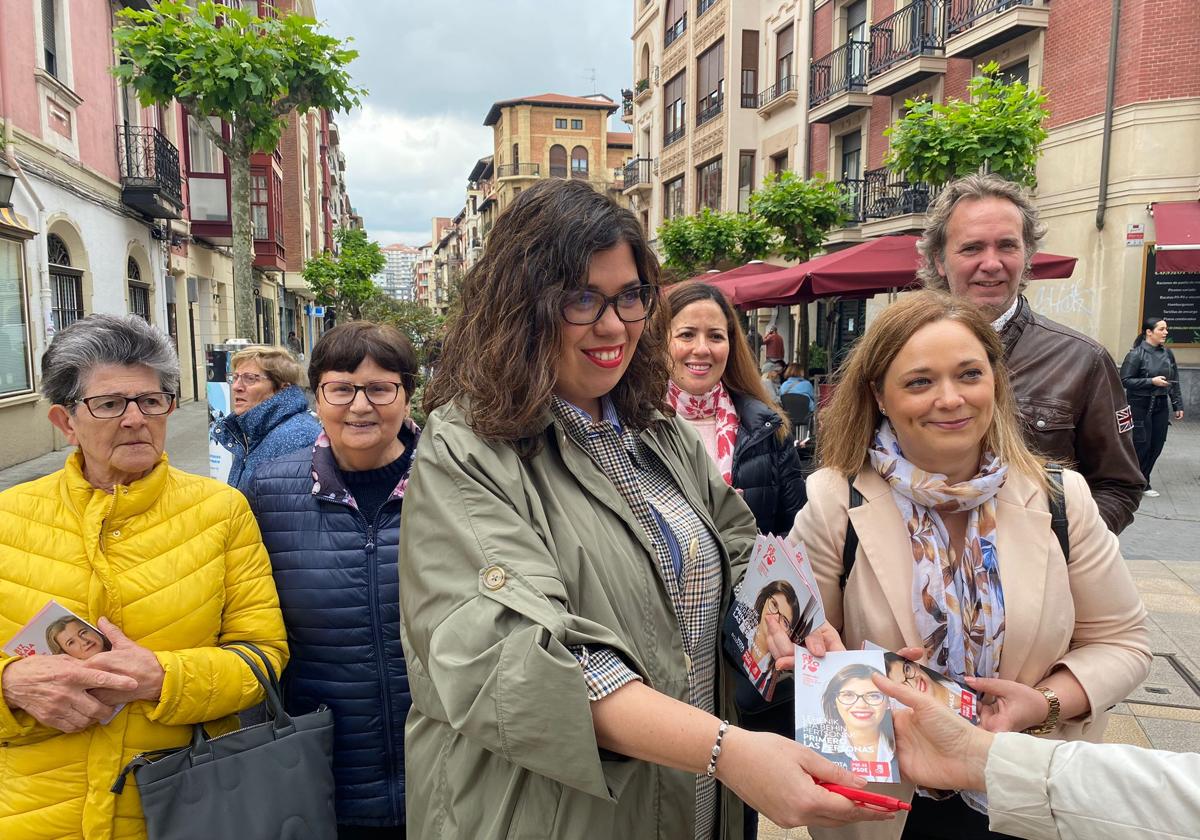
50, 37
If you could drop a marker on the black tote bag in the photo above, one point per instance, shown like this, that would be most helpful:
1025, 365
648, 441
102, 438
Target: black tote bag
270, 781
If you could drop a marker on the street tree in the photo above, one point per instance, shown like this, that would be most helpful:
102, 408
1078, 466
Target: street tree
420, 323
712, 240
345, 282
999, 129
802, 212
246, 71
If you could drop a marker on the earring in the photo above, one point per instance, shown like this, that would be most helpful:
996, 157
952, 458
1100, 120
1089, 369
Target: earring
883, 411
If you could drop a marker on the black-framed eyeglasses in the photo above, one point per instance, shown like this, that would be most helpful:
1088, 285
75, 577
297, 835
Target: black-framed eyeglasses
343, 393
846, 697
110, 406
584, 307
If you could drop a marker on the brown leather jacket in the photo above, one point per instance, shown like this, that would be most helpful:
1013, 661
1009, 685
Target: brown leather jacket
1073, 404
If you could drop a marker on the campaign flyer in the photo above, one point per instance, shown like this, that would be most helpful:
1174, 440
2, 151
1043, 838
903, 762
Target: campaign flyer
774, 584
953, 695
842, 714
56, 630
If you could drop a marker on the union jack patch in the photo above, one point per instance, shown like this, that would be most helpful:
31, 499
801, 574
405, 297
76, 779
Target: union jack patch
1124, 420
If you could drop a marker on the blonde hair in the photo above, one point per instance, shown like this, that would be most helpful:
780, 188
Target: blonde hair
848, 423
277, 363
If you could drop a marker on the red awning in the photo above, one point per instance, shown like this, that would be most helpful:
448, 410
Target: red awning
1177, 235
873, 267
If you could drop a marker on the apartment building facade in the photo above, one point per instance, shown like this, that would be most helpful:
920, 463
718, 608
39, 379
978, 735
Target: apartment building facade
1121, 156
555, 136
398, 271
122, 209
832, 75
717, 103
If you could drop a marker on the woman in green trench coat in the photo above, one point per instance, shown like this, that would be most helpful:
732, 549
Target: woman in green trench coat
567, 554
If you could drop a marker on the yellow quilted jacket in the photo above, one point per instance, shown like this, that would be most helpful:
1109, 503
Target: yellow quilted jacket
177, 562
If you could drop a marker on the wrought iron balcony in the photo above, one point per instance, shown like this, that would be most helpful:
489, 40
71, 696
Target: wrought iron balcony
961, 15
710, 107
914, 30
675, 30
842, 71
889, 194
703, 6
784, 86
673, 135
519, 170
638, 173
149, 165
854, 192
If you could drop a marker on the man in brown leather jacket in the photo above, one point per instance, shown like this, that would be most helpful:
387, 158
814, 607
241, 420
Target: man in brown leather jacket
979, 244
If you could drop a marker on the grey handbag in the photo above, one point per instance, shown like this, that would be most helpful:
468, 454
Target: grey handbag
270, 781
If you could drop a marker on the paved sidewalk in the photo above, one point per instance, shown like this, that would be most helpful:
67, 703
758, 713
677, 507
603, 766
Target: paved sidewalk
1162, 548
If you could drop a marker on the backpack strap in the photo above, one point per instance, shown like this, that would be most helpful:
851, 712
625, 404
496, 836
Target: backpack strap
850, 548
1058, 508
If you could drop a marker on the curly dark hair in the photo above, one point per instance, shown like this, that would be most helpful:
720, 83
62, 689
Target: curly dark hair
500, 355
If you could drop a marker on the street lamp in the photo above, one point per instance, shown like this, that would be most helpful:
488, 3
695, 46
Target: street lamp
7, 182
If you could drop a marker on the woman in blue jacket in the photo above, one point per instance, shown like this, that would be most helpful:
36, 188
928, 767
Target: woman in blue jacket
330, 519
270, 412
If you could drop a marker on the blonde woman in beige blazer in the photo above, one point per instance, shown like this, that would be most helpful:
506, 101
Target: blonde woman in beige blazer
926, 378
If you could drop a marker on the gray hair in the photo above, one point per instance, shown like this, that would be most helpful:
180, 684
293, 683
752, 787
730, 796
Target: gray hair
974, 188
124, 340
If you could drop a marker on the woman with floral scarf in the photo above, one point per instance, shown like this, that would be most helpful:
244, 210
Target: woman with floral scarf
957, 565
715, 387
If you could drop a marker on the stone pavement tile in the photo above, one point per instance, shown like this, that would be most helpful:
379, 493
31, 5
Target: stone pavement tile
1163, 585
767, 830
1187, 570
1158, 602
1177, 695
1175, 735
1165, 712
1124, 729
1150, 567
1160, 642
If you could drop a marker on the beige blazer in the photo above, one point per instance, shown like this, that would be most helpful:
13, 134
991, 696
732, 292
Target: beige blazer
1087, 616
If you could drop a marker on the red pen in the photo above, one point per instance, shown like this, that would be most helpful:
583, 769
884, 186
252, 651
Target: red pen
866, 797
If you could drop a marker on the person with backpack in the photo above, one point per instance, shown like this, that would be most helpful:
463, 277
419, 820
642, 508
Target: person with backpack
935, 532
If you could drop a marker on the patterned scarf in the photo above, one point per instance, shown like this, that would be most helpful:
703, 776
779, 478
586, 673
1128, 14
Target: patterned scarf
715, 403
958, 602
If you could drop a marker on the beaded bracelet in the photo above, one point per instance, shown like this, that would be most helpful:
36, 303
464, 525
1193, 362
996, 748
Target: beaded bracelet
716, 750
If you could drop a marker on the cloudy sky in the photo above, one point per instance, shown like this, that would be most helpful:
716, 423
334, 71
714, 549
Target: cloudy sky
433, 69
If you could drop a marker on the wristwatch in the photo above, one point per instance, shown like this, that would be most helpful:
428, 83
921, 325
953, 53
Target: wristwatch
1051, 720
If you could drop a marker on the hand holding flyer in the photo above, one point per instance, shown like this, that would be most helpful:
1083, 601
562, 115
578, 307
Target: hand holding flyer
56, 630
778, 586
841, 713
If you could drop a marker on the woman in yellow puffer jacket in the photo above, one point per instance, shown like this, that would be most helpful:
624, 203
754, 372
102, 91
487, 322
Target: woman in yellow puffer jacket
169, 565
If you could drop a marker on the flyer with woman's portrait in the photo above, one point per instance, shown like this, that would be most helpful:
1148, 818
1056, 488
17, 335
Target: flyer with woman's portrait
843, 715
56, 630
775, 584
951, 694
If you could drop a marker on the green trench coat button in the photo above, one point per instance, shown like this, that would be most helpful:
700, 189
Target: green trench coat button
493, 577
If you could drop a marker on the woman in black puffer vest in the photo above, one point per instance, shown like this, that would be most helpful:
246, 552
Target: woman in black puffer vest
1151, 380
716, 387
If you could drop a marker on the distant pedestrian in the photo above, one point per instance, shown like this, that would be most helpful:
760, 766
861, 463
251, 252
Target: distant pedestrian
755, 342
270, 416
294, 345
773, 345
1151, 380
794, 382
771, 375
